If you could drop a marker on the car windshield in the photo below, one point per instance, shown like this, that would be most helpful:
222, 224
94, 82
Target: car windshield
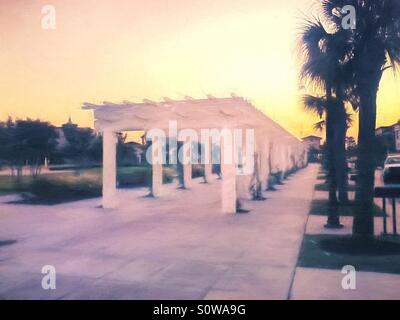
393, 160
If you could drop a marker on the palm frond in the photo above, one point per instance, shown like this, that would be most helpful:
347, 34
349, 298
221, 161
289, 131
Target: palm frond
331, 10
349, 120
314, 68
314, 104
320, 125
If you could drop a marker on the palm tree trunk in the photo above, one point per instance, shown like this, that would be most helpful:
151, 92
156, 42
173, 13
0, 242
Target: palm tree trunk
333, 217
363, 225
341, 163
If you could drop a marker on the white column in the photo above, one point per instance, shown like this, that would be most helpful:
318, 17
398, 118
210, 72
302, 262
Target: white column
228, 189
109, 169
207, 161
187, 175
157, 175
187, 164
207, 172
157, 169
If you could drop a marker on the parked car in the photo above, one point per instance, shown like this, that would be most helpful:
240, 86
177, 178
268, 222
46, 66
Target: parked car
391, 170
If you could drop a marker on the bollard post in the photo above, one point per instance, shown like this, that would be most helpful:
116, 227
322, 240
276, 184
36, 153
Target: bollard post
384, 216
394, 216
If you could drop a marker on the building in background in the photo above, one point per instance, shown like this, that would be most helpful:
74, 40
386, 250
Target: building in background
313, 146
312, 142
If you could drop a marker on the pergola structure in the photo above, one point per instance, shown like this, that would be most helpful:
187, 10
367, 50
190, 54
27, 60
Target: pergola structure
275, 149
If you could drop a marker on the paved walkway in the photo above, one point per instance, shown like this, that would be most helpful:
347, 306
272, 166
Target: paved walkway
175, 247
323, 284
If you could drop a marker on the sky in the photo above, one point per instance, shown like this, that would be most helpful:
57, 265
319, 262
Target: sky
107, 50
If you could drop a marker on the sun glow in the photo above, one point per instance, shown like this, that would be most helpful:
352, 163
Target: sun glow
135, 50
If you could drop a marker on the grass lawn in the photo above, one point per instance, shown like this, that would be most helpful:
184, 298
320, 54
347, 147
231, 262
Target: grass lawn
9, 185
320, 208
59, 187
334, 252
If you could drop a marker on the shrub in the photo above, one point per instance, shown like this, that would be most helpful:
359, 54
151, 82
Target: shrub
272, 181
133, 176
58, 190
168, 174
197, 171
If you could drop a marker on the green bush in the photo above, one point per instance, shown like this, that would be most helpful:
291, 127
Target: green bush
197, 171
57, 190
168, 174
133, 176
272, 181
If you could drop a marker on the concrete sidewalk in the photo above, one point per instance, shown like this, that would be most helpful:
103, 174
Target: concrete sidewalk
324, 284
176, 247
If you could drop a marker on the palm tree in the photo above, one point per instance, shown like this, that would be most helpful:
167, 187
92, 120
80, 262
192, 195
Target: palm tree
325, 58
319, 106
375, 47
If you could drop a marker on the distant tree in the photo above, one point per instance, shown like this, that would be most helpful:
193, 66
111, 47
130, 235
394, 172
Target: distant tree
79, 143
122, 147
6, 140
95, 151
37, 140
27, 142
125, 150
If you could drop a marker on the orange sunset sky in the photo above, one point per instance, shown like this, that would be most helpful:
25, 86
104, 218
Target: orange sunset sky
108, 50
